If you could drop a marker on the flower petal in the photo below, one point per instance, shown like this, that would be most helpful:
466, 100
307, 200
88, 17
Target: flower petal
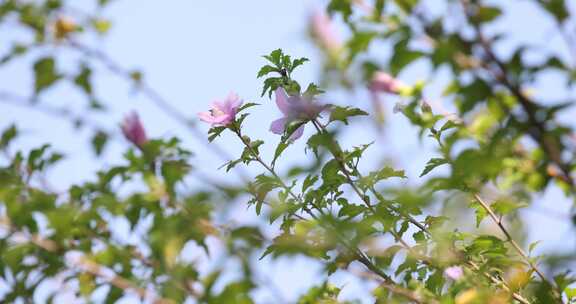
297, 134
282, 101
206, 117
233, 102
218, 105
278, 126
223, 119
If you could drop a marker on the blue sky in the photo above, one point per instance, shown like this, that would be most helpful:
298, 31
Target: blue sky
195, 51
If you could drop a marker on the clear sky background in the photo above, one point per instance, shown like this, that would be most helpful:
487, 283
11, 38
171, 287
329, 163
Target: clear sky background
195, 51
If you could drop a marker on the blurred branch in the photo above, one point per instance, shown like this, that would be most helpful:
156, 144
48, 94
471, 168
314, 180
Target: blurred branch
35, 104
500, 282
517, 247
85, 264
153, 95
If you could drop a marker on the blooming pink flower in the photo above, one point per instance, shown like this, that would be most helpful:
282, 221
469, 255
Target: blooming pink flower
322, 29
133, 129
222, 112
294, 108
384, 82
454, 272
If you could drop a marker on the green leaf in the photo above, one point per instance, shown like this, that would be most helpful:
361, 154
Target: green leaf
472, 94
433, 163
325, 140
532, 246
570, 293
402, 56
343, 7
343, 113
275, 57
297, 62
102, 26
231, 164
215, 132
83, 81
557, 8
350, 211
271, 84
8, 136
246, 106
45, 74
103, 2
504, 207
487, 13
262, 185
279, 149
449, 125
86, 284
325, 294
357, 152
481, 213
376, 176
292, 127
309, 181
406, 5
99, 141
331, 174
378, 9
17, 50
489, 246
435, 282
266, 70
312, 90
360, 42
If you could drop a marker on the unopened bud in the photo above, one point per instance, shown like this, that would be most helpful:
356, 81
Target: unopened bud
63, 27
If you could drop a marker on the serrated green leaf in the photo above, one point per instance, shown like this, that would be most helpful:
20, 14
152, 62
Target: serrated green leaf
343, 113
215, 132
297, 62
433, 163
266, 70
504, 207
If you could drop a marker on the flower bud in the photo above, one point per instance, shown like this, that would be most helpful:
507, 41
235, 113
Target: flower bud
63, 27
133, 130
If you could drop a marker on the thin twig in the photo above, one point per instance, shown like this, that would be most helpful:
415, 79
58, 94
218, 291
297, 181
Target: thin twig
152, 94
515, 245
35, 104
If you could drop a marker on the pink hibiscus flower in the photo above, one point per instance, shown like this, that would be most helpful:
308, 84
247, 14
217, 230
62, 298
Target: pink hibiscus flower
294, 108
222, 112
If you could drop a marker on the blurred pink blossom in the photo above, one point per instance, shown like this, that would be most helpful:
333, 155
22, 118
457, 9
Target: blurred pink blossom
323, 30
223, 112
384, 82
454, 272
294, 108
133, 129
